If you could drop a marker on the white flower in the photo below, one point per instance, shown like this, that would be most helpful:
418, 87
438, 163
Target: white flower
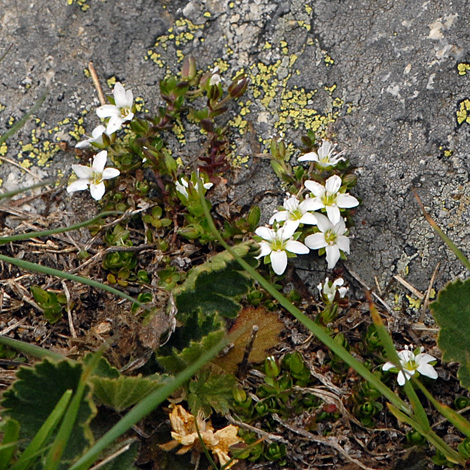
93, 176
328, 289
215, 78
324, 156
295, 213
331, 237
327, 197
411, 362
119, 112
277, 242
182, 186
96, 137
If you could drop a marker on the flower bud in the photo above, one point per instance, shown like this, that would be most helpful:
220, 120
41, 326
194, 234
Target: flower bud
188, 72
238, 86
272, 367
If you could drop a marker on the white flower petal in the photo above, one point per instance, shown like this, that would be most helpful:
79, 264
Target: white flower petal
278, 216
332, 184
332, 255
296, 247
309, 157
114, 124
342, 243
82, 171
97, 191
286, 232
78, 185
346, 201
401, 378
265, 249
309, 219
107, 110
424, 358
279, 261
312, 204
427, 370
388, 365
266, 233
316, 188
119, 95
333, 214
323, 222
99, 161
292, 225
109, 173
316, 241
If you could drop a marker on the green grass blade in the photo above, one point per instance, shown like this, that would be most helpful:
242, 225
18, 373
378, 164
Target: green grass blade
143, 408
19, 124
432, 438
392, 355
43, 233
29, 349
60, 442
11, 432
71, 277
22, 190
43, 434
451, 415
463, 259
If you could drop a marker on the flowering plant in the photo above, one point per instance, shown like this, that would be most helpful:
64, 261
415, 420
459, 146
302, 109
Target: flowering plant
411, 363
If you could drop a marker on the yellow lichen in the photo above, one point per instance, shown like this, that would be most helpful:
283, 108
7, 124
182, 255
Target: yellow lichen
463, 112
462, 68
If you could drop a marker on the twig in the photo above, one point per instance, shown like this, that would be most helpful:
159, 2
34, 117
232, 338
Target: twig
428, 292
243, 365
363, 284
12, 327
96, 82
411, 288
267, 435
69, 311
111, 457
11, 162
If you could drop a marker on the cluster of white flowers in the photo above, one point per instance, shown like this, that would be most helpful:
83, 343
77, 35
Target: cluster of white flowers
279, 241
92, 176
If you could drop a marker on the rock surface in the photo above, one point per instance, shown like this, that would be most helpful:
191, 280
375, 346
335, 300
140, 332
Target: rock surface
384, 78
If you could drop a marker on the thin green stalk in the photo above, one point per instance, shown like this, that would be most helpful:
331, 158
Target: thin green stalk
392, 355
43, 233
19, 124
430, 435
451, 415
316, 329
22, 190
57, 449
463, 259
71, 277
30, 349
35, 447
144, 407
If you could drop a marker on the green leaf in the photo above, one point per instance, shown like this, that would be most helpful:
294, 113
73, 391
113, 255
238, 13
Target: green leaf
451, 311
123, 392
34, 396
209, 391
189, 342
212, 286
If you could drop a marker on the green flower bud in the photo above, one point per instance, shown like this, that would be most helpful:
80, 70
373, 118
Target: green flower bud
272, 367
